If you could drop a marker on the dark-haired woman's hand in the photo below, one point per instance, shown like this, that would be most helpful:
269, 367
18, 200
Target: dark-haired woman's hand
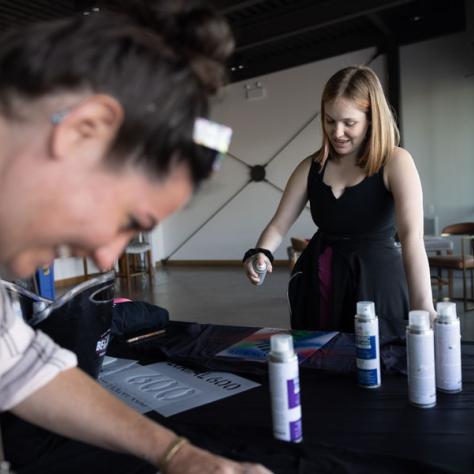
192, 460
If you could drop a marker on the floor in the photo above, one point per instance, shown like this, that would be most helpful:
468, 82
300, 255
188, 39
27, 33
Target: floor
219, 295
223, 295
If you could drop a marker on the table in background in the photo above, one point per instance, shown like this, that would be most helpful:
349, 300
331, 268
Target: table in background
438, 245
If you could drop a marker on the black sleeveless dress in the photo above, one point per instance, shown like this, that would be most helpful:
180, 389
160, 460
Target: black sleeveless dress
359, 226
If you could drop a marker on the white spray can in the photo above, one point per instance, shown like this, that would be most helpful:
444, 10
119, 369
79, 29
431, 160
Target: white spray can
448, 348
261, 270
366, 327
420, 360
285, 389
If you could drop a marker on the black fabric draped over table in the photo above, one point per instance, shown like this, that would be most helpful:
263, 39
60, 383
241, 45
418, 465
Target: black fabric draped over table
346, 429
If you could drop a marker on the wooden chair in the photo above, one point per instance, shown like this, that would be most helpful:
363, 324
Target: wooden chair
136, 260
436, 245
297, 246
463, 262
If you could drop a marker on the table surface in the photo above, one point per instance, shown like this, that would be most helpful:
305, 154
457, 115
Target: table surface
346, 429
435, 243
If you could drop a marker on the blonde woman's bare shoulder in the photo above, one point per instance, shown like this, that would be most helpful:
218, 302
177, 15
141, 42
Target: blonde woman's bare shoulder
308, 160
399, 154
304, 165
400, 162
301, 172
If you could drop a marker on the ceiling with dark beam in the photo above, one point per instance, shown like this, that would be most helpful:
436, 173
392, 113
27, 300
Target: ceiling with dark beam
272, 35
277, 34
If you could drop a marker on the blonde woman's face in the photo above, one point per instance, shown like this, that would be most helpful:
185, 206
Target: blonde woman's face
346, 126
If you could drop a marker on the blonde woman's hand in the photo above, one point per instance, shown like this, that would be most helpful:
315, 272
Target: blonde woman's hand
248, 265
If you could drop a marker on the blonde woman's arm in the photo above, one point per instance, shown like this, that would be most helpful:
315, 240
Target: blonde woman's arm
290, 207
403, 181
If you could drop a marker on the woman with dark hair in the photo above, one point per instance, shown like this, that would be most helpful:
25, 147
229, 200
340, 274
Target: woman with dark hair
361, 187
98, 126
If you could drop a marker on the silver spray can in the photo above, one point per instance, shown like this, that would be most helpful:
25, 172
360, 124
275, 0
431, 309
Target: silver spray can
420, 360
366, 327
285, 389
261, 270
448, 348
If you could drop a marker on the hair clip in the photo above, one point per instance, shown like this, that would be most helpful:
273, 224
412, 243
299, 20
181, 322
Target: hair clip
58, 117
212, 135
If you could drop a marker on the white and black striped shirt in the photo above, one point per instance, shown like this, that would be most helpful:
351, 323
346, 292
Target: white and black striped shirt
29, 359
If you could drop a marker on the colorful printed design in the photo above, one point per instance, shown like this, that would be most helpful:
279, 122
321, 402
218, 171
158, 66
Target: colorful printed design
257, 346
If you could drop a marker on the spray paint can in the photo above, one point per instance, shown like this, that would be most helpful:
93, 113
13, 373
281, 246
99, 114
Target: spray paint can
448, 348
285, 389
261, 270
420, 360
366, 326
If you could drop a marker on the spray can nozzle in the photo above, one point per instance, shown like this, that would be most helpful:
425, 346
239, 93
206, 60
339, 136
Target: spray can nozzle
446, 311
261, 269
419, 320
366, 308
282, 344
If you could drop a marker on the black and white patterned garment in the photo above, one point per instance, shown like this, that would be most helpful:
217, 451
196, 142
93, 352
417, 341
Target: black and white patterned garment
29, 359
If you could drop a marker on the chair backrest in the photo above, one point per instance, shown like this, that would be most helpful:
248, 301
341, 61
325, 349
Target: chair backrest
462, 228
139, 244
298, 244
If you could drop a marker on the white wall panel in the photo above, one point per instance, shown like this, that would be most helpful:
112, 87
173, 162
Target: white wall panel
438, 123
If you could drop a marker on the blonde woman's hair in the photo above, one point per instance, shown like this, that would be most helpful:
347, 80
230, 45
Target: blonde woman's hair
361, 85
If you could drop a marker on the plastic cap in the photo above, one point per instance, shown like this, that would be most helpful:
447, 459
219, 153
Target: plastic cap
366, 308
419, 320
446, 311
282, 344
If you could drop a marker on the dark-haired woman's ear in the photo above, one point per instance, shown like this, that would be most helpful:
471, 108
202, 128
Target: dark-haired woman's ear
86, 131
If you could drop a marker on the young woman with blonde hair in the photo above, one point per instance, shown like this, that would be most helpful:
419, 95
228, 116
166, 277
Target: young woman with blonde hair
363, 190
